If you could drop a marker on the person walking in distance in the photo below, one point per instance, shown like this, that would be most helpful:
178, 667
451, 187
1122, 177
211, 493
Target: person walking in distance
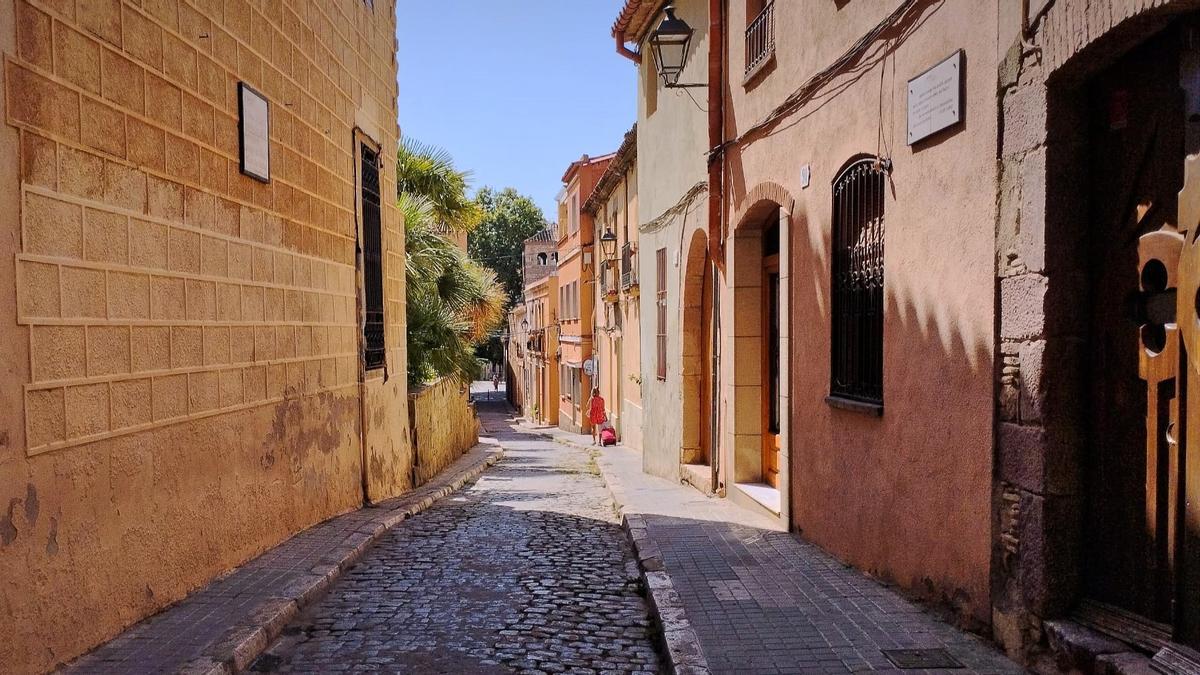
596, 414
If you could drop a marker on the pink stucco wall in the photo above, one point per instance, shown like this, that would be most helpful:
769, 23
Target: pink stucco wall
905, 496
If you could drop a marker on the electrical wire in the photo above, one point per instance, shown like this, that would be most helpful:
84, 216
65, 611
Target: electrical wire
682, 205
815, 83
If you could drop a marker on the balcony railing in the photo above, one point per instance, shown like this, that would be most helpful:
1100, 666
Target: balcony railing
608, 282
629, 267
535, 343
760, 38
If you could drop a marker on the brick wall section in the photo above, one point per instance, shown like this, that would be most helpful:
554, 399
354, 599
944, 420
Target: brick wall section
157, 286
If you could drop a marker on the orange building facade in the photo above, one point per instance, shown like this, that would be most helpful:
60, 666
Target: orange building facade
576, 279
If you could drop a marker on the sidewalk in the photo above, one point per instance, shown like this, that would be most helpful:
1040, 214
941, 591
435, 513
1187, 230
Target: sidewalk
223, 626
736, 594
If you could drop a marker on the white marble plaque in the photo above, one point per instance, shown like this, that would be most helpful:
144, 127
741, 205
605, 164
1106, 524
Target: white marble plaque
255, 127
935, 98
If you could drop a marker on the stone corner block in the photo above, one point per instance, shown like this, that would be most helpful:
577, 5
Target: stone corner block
1022, 306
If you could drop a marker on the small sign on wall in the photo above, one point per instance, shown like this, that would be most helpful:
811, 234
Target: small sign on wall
935, 98
254, 128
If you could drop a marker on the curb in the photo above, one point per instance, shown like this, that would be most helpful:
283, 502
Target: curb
679, 640
248, 639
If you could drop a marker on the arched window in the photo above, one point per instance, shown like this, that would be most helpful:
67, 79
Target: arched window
857, 282
554, 257
541, 258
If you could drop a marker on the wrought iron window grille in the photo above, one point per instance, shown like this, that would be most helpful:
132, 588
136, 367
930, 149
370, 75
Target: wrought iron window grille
760, 38
629, 266
374, 345
857, 282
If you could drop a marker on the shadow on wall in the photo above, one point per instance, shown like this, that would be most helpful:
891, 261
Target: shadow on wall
888, 494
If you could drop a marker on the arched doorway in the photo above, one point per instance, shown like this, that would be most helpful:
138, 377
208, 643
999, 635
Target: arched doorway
757, 395
696, 451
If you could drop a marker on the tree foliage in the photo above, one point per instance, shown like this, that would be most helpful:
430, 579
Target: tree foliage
508, 219
453, 302
428, 171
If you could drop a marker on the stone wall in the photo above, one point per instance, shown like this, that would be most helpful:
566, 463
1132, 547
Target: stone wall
443, 425
1038, 494
183, 388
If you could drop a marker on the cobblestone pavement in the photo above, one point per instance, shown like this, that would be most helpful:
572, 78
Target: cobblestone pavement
526, 571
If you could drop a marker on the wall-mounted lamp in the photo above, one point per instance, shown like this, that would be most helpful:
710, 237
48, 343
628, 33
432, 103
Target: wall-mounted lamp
608, 245
670, 43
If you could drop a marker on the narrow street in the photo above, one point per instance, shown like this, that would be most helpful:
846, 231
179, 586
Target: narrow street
527, 571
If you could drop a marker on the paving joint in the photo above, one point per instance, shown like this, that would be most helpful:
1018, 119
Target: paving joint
678, 640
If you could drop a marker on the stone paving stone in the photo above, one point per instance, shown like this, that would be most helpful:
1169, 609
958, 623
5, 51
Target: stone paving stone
527, 571
762, 600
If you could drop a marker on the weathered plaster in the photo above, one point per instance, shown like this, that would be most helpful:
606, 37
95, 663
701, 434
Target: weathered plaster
182, 389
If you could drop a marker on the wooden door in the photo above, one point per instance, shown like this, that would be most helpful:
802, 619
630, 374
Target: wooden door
770, 389
1136, 146
1183, 478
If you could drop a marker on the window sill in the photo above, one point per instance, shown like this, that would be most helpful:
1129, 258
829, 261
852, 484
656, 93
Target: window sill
752, 75
869, 409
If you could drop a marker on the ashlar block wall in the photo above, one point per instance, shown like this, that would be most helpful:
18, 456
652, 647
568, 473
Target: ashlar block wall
182, 384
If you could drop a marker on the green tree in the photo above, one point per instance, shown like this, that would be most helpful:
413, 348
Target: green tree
453, 302
498, 242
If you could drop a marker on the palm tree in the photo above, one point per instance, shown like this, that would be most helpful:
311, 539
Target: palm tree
453, 302
428, 171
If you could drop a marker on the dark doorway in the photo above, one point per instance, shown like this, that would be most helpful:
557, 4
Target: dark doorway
1133, 469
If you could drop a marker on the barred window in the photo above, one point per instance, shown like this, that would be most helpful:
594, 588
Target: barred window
857, 283
660, 337
372, 248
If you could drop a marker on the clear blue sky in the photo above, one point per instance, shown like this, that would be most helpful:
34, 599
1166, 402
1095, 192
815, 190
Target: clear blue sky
515, 90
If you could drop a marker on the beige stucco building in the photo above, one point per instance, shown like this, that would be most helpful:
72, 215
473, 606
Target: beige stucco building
617, 307
198, 364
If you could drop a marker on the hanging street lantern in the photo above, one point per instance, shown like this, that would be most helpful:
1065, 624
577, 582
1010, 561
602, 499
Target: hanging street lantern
608, 245
670, 43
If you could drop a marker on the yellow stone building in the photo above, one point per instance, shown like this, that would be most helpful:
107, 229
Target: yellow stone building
541, 355
198, 361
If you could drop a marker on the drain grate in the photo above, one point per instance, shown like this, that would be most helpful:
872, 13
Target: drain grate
921, 659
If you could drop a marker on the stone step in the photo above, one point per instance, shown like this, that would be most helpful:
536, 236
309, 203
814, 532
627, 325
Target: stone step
1079, 649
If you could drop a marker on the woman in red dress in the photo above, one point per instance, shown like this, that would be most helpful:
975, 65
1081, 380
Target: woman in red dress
596, 414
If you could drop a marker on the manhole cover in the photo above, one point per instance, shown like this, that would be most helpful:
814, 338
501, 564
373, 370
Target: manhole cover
921, 659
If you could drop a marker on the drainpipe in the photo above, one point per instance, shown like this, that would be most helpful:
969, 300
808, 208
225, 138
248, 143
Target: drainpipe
716, 121
714, 426
716, 213
626, 51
